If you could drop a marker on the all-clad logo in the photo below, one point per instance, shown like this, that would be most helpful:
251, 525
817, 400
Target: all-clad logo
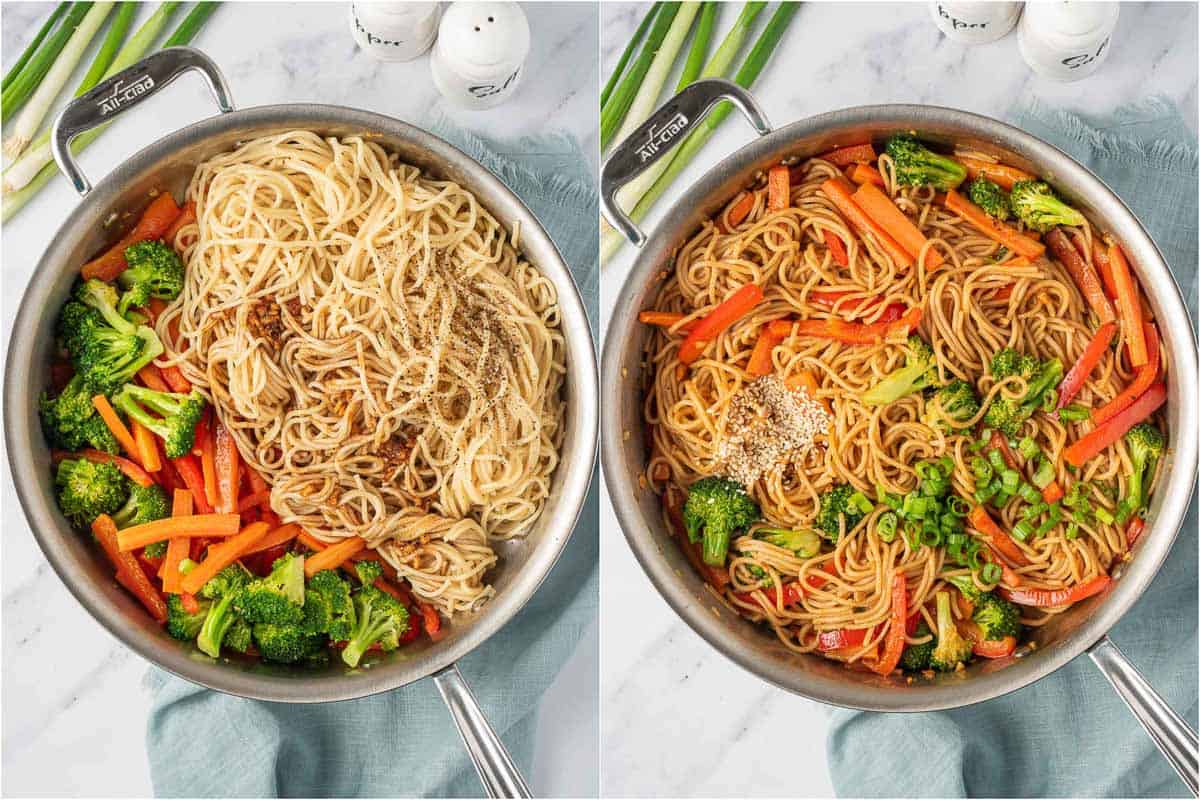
660, 137
123, 93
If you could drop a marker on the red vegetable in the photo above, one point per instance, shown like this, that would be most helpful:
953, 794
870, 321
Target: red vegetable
999, 540
1088, 359
728, 312
1129, 304
778, 188
836, 248
1052, 598
843, 637
226, 459
893, 645
1085, 278
1094, 442
850, 332
155, 221
189, 470
985, 648
1142, 380
1134, 531
129, 572
850, 154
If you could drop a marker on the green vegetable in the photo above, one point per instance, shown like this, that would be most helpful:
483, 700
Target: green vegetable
916, 656
1035, 204
1040, 377
805, 544
178, 415
990, 197
368, 572
191, 24
996, 617
180, 623
956, 401
618, 105
154, 270
699, 47
1146, 444
917, 165
837, 503
108, 48
919, 371
32, 47
717, 508
26, 82
103, 298
625, 56
328, 608
379, 617
87, 489
145, 504
278, 598
70, 420
286, 643
1074, 413
951, 649
223, 588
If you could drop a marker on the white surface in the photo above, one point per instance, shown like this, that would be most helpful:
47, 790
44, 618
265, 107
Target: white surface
680, 720
74, 710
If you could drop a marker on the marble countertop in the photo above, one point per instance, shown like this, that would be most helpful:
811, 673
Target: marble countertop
74, 707
730, 733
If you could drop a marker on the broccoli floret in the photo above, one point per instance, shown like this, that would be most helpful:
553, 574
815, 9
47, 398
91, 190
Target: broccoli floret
328, 608
1007, 362
1005, 416
155, 550
87, 489
154, 271
180, 623
967, 586
1035, 204
70, 420
717, 508
1146, 444
278, 598
75, 324
990, 197
916, 656
108, 358
918, 372
101, 296
379, 617
368, 571
145, 504
1040, 377
805, 544
951, 649
286, 643
224, 588
177, 415
238, 636
996, 617
956, 401
842, 500
917, 165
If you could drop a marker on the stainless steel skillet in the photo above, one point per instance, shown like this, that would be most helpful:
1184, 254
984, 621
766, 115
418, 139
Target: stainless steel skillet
167, 165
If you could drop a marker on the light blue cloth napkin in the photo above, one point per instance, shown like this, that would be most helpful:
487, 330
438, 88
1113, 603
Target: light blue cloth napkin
402, 743
1067, 735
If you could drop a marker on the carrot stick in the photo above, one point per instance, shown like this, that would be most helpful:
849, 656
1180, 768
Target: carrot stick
129, 572
128, 468
779, 190
666, 319
310, 541
208, 468
805, 380
277, 536
122, 434
993, 229
863, 174
729, 311
1142, 381
1100, 259
177, 547
760, 358
175, 380
1129, 305
189, 469
735, 213
151, 378
225, 458
333, 556
1000, 174
851, 154
1082, 273
880, 208
836, 248
189, 527
155, 221
222, 555
187, 215
147, 449
153, 308
841, 191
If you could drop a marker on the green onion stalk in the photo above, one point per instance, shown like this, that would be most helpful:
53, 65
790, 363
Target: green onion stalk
26, 177
625, 56
631, 194
699, 46
22, 87
47, 26
622, 98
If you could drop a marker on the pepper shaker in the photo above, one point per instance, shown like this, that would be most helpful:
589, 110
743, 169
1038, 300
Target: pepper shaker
480, 53
392, 31
1066, 41
974, 22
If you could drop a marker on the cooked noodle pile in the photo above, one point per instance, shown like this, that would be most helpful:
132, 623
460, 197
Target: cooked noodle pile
975, 304
378, 349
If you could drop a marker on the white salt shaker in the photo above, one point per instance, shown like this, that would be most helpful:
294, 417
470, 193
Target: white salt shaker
480, 52
392, 31
1066, 41
975, 22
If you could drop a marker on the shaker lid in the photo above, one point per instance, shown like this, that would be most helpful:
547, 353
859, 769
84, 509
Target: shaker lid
1074, 18
484, 37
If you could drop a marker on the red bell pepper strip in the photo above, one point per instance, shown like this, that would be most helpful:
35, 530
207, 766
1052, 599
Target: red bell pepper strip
129, 572
793, 592
1088, 359
893, 645
129, 469
999, 540
152, 378
728, 312
843, 637
1081, 272
1142, 380
850, 154
760, 357
1094, 442
431, 620
155, 221
188, 601
175, 380
225, 456
1134, 531
735, 214
986, 648
836, 248
189, 470
1052, 598
187, 215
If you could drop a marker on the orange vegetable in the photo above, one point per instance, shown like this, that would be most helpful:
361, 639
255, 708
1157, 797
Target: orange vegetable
208, 464
1082, 273
1097, 440
188, 469
122, 434
986, 648
729, 311
665, 319
999, 540
1018, 242
836, 249
155, 307
147, 449
1051, 494
187, 215
129, 469
1142, 380
177, 547
226, 464
894, 641
222, 555
779, 188
850, 154
841, 192
189, 527
175, 380
880, 208
1000, 174
1134, 531
129, 572
431, 620
277, 536
849, 332
760, 358
151, 378
259, 486
864, 174
736, 212
1129, 305
1104, 267
155, 221
333, 556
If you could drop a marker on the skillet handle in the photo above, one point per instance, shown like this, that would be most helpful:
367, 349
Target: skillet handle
655, 137
123, 91
497, 771
1171, 734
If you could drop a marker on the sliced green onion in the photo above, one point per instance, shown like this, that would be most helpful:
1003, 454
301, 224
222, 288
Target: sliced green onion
885, 526
1053, 517
974, 556
1101, 513
1043, 476
1022, 530
946, 465
981, 468
1010, 479
58, 11
957, 506
975, 447
1072, 531
1074, 413
1028, 448
860, 502
1035, 510
1001, 499
996, 459
987, 492
990, 573
1029, 494
1049, 400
